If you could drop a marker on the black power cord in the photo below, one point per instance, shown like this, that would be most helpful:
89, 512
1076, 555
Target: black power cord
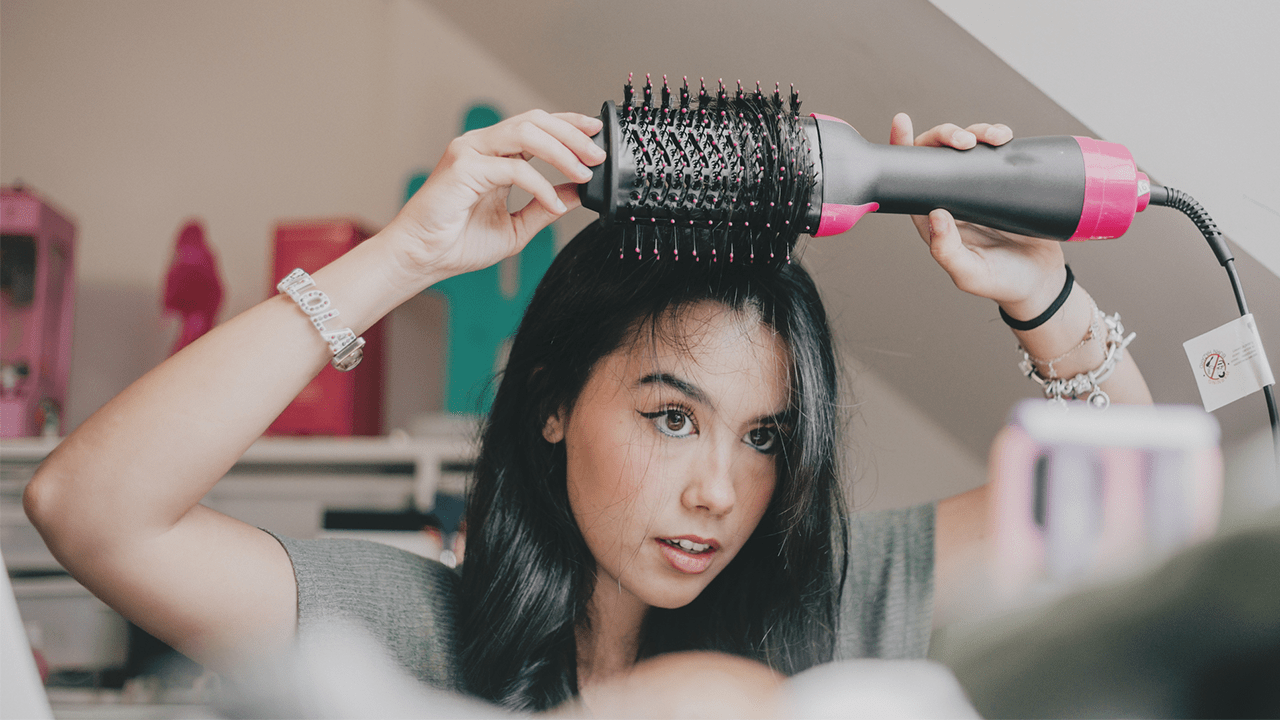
1187, 205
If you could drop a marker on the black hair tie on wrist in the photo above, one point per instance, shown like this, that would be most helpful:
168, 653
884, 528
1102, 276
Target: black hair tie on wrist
1039, 320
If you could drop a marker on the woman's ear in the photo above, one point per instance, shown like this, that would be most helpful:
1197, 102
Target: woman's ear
553, 429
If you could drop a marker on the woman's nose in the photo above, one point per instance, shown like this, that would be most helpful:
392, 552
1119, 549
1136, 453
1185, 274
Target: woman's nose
710, 484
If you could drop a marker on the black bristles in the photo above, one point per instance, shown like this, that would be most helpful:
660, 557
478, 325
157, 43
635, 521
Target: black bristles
723, 179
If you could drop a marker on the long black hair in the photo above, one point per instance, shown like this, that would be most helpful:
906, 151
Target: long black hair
528, 574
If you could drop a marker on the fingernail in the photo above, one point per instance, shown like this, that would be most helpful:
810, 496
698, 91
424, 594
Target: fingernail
584, 173
964, 137
559, 206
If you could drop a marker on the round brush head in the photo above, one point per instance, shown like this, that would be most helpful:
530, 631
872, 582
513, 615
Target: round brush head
716, 177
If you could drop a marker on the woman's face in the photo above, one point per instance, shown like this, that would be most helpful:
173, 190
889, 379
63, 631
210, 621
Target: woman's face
671, 451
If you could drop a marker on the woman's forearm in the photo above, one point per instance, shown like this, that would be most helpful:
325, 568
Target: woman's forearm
143, 460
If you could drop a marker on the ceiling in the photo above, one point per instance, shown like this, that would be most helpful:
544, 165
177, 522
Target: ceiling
893, 309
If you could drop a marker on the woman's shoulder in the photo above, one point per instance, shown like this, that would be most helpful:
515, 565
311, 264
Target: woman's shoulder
405, 601
340, 574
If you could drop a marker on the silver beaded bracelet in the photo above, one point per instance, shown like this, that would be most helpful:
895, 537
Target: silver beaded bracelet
347, 348
1090, 382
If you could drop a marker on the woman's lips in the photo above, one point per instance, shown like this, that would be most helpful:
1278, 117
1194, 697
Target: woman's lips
688, 562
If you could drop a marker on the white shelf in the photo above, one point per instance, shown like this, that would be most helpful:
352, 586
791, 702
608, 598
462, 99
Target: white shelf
421, 460
284, 484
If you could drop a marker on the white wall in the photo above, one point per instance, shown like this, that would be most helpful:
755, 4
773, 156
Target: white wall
898, 456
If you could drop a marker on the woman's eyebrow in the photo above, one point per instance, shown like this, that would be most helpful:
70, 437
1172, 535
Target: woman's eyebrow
782, 417
688, 389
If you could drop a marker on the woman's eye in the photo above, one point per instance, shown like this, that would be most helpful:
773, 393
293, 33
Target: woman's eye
764, 439
672, 422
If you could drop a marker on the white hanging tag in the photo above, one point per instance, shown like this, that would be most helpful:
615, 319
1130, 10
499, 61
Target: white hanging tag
1229, 362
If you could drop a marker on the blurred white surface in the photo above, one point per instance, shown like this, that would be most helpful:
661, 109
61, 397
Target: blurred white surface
881, 689
22, 696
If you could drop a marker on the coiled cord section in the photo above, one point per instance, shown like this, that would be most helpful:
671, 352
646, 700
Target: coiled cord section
1189, 206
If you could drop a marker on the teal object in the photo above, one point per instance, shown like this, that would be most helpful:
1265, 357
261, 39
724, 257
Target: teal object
481, 317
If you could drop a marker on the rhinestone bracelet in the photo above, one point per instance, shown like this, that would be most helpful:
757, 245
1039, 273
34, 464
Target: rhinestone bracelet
1090, 382
347, 348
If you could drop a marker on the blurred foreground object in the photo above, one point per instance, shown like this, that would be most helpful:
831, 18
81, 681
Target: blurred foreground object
23, 695
876, 690
1084, 495
191, 287
340, 672
1196, 637
37, 311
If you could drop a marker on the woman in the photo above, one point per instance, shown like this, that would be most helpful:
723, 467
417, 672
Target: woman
658, 472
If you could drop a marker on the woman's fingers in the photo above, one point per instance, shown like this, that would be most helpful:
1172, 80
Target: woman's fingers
562, 140
900, 132
585, 123
947, 135
949, 250
991, 133
535, 216
952, 135
495, 172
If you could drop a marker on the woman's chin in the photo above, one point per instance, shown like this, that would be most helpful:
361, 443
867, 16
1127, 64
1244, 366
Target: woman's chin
672, 593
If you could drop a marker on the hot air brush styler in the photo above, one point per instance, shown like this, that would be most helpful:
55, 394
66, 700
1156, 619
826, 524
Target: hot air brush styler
739, 176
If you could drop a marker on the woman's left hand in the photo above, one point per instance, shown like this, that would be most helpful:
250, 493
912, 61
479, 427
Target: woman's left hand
1023, 274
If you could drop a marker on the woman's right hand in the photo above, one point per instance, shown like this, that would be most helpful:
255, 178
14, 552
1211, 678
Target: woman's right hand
458, 221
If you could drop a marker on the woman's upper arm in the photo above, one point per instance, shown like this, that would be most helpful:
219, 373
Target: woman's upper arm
961, 532
217, 589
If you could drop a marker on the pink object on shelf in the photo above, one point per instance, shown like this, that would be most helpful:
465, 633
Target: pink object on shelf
37, 311
192, 288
